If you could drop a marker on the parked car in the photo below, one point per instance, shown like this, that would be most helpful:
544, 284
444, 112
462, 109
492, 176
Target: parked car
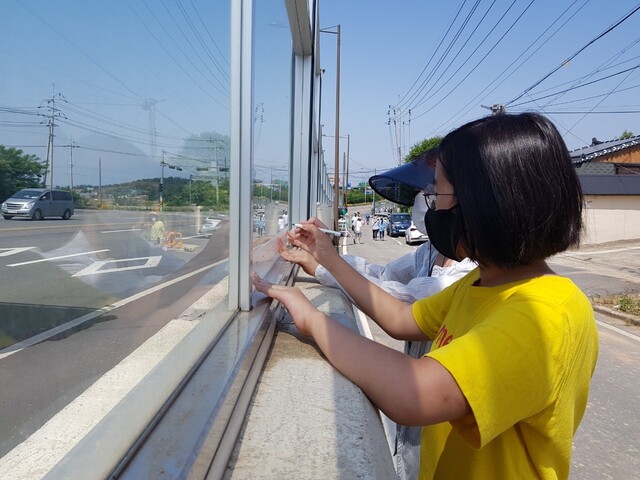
38, 203
398, 224
209, 225
414, 235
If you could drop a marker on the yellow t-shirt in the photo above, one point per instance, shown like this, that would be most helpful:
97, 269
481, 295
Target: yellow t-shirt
523, 355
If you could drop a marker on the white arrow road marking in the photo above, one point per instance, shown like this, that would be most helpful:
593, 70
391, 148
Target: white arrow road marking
56, 258
96, 268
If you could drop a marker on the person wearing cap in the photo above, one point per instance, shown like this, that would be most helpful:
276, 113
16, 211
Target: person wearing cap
416, 275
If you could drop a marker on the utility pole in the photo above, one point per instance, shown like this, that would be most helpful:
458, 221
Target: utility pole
337, 133
100, 181
345, 185
399, 135
373, 193
72, 145
161, 179
215, 159
336, 180
496, 108
348, 158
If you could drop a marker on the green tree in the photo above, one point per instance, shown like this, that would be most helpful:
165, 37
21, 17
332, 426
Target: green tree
18, 170
421, 147
626, 134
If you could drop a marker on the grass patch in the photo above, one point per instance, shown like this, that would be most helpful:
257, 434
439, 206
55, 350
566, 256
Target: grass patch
625, 302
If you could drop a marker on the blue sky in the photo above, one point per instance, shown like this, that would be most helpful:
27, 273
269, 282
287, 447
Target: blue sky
385, 46
102, 60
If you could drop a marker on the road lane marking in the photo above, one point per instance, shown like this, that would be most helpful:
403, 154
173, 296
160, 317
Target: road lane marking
95, 268
17, 347
596, 252
619, 330
120, 231
67, 225
56, 258
14, 251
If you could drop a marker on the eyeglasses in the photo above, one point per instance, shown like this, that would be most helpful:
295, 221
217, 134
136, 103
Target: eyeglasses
430, 196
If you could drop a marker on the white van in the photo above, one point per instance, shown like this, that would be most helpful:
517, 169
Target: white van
38, 203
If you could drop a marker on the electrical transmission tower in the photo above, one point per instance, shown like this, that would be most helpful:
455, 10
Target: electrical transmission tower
149, 105
54, 112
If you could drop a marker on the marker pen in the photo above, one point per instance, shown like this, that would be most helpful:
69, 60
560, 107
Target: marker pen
323, 230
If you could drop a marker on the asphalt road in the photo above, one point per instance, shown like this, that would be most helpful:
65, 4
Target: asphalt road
607, 443
40, 288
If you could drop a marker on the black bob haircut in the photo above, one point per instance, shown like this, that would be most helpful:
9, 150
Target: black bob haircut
518, 191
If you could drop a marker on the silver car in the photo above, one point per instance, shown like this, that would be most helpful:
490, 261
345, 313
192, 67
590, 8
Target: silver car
38, 203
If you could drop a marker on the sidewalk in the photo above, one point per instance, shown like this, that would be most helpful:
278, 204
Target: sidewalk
306, 420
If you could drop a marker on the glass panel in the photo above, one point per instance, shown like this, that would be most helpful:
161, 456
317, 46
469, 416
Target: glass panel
271, 128
126, 106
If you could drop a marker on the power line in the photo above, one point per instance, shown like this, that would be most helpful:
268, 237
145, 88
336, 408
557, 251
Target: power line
446, 52
462, 111
423, 99
70, 42
400, 104
479, 63
628, 70
155, 37
598, 37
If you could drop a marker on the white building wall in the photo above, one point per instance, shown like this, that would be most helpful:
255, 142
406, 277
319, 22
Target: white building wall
610, 218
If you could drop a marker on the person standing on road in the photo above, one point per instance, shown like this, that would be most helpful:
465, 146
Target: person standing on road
357, 230
382, 228
156, 234
506, 383
375, 227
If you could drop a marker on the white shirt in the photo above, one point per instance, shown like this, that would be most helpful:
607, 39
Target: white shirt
406, 278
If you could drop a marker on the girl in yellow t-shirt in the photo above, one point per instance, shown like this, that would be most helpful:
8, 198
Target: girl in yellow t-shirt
506, 383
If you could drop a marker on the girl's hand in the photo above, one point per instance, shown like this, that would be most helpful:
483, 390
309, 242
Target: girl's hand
302, 258
313, 241
300, 308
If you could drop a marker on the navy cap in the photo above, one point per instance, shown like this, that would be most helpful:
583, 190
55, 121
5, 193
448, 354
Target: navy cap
403, 183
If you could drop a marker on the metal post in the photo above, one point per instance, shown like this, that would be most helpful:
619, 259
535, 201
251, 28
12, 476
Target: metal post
161, 180
373, 206
71, 163
336, 197
100, 180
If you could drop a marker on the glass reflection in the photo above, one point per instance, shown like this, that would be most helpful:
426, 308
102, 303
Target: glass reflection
271, 129
126, 106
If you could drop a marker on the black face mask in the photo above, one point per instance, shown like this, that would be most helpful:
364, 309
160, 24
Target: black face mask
444, 228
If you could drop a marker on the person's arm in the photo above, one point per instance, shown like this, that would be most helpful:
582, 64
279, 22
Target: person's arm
392, 315
409, 391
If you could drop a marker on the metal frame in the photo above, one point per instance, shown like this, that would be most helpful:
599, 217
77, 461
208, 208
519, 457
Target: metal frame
241, 197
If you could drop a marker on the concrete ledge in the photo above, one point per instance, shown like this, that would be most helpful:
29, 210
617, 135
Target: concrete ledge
306, 420
630, 319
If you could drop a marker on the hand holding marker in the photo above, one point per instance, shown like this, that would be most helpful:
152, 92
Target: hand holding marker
324, 230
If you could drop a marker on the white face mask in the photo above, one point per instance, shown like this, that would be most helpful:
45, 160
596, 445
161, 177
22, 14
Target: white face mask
418, 212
